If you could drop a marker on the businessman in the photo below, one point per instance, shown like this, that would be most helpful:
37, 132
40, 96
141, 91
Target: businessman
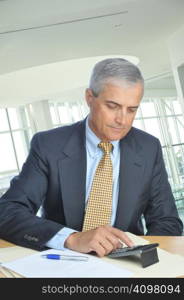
94, 179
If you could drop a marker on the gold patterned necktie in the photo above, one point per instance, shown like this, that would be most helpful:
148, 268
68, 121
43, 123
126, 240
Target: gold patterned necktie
99, 207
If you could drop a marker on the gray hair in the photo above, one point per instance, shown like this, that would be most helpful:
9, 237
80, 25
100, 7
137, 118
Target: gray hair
117, 71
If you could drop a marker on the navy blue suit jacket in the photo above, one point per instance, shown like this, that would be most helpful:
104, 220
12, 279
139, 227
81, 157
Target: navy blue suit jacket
54, 177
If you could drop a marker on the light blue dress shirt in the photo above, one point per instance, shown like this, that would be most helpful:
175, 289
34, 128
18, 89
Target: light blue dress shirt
94, 154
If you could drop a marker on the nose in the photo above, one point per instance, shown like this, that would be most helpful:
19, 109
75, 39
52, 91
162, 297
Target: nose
121, 117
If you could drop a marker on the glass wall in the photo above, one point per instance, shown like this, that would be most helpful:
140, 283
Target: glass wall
15, 134
67, 112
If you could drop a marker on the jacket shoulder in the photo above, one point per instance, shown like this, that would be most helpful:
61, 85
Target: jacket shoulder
54, 140
143, 136
56, 133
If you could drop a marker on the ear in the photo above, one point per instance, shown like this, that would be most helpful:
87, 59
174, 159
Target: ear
89, 96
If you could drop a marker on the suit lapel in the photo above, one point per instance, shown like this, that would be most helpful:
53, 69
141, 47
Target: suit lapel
131, 174
72, 170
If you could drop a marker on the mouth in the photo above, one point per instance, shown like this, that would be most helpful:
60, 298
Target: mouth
117, 129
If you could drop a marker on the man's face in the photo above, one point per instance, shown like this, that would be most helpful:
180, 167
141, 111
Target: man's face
112, 112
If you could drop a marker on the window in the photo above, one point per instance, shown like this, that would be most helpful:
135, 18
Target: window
67, 112
15, 134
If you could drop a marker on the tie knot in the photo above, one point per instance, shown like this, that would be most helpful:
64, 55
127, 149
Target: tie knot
106, 147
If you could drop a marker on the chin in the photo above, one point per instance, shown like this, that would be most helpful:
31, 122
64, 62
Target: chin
117, 137
114, 137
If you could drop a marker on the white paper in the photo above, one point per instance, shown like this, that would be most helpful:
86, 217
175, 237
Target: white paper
38, 267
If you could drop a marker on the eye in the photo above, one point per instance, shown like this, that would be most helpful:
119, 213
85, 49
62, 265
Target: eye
133, 109
112, 105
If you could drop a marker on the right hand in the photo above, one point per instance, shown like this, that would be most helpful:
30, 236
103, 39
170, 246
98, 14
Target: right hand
102, 240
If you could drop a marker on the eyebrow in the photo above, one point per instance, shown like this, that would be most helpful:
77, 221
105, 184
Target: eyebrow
113, 102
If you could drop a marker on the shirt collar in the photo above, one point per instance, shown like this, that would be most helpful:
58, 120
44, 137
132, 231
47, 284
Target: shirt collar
92, 142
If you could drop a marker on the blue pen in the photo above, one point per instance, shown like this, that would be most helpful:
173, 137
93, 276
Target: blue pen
65, 257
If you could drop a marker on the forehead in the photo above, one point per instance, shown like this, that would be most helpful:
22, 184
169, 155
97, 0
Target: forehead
125, 94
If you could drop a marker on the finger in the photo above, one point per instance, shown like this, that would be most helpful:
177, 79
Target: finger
122, 236
98, 248
115, 242
107, 245
120, 243
104, 236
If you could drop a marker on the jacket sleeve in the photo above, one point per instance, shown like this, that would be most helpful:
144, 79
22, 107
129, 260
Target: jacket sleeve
19, 205
161, 214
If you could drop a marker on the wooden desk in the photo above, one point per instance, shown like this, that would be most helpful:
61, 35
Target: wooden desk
172, 244
4, 244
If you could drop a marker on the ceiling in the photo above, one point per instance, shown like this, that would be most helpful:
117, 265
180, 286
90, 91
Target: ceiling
42, 32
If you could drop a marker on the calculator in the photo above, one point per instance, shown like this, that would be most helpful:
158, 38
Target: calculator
126, 251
